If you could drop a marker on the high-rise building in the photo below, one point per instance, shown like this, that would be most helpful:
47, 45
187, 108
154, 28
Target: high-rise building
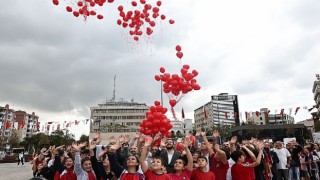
24, 124
316, 94
118, 116
223, 109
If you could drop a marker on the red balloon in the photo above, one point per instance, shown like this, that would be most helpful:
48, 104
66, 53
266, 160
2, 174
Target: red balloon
152, 23
158, 3
80, 3
55, 2
136, 38
195, 73
162, 69
110, 1
163, 17
148, 132
155, 9
164, 110
93, 13
184, 71
186, 66
171, 21
142, 1
76, 13
100, 16
172, 102
179, 54
178, 48
69, 9
168, 134
179, 147
120, 8
162, 130
119, 22
157, 78
133, 3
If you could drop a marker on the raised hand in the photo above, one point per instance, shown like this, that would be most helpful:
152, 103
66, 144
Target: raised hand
203, 133
121, 139
112, 140
92, 145
233, 140
127, 138
137, 135
148, 141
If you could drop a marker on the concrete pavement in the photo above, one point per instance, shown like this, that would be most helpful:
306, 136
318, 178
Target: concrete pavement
11, 171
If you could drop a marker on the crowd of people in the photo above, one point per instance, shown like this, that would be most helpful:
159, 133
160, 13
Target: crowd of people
194, 157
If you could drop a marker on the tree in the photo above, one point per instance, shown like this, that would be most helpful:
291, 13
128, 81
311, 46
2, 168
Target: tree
13, 140
84, 138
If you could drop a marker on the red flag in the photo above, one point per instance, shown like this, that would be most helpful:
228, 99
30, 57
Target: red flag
48, 127
182, 113
296, 111
205, 114
58, 127
257, 113
235, 115
246, 115
226, 114
68, 124
8, 124
282, 112
76, 122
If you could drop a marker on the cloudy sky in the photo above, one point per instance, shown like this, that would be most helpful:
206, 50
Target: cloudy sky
265, 51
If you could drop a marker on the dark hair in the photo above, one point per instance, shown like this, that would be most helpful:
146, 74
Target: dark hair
85, 151
65, 159
183, 161
227, 151
159, 157
203, 157
235, 155
137, 167
84, 160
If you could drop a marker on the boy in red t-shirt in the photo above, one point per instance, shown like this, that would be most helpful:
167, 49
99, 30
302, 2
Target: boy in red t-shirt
241, 170
157, 164
201, 172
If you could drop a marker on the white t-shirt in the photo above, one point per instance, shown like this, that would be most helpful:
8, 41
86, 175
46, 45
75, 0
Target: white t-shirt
231, 163
283, 154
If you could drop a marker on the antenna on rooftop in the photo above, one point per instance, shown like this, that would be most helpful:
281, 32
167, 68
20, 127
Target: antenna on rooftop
114, 89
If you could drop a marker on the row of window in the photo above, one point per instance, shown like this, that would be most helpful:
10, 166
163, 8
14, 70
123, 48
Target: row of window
118, 117
120, 110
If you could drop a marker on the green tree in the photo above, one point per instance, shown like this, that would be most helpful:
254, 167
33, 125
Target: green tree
84, 138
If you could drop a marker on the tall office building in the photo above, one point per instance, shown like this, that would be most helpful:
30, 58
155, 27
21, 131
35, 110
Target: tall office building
223, 109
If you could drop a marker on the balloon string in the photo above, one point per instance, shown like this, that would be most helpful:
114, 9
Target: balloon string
173, 114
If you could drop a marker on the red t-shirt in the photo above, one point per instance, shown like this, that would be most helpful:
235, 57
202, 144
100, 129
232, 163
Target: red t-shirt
200, 175
240, 172
249, 160
218, 168
150, 175
185, 175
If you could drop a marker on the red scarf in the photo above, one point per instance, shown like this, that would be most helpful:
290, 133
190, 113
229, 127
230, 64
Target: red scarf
91, 176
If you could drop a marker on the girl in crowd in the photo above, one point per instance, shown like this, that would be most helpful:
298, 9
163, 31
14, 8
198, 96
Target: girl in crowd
132, 163
83, 167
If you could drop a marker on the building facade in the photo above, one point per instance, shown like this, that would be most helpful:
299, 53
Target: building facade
264, 117
223, 109
316, 95
120, 116
182, 127
24, 124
